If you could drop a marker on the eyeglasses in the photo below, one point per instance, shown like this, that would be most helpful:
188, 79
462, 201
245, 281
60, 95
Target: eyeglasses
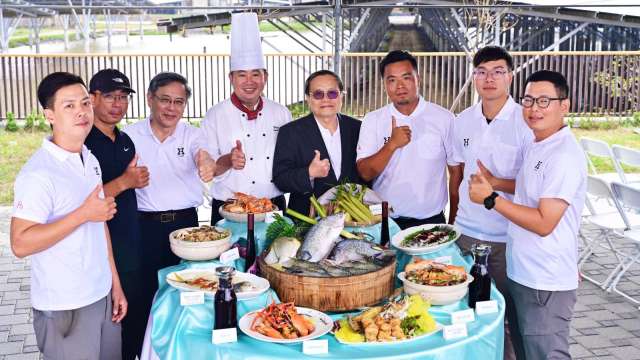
330, 94
495, 73
110, 98
166, 101
543, 102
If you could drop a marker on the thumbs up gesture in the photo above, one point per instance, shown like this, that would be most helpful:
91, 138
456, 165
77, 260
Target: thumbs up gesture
479, 187
319, 168
206, 166
97, 209
400, 135
135, 176
238, 159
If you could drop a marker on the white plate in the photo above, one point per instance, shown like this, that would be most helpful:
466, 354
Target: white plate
322, 321
397, 239
242, 217
378, 343
260, 284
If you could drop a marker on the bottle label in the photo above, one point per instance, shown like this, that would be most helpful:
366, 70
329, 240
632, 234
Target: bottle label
376, 209
455, 331
462, 316
314, 347
486, 307
229, 256
188, 298
222, 336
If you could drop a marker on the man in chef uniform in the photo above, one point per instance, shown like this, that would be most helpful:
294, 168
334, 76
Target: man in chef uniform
242, 130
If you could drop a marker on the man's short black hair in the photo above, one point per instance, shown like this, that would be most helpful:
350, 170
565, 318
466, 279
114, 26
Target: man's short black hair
307, 83
166, 78
52, 83
558, 80
492, 53
397, 56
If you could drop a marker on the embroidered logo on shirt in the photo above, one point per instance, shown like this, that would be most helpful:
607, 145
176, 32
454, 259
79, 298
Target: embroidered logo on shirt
276, 128
181, 151
97, 170
19, 205
537, 167
126, 149
386, 139
465, 142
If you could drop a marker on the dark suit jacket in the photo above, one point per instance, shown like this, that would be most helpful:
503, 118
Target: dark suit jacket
294, 151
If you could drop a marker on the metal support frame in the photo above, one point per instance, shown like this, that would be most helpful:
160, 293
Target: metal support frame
64, 21
272, 22
356, 29
35, 28
107, 18
7, 28
337, 37
82, 25
552, 46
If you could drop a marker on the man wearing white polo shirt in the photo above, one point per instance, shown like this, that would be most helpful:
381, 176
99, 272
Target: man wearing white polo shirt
177, 158
405, 148
243, 129
542, 249
494, 133
59, 221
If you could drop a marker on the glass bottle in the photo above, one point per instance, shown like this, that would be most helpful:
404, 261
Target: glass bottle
225, 301
384, 232
251, 244
480, 287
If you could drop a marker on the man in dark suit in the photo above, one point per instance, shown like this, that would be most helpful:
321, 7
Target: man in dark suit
318, 151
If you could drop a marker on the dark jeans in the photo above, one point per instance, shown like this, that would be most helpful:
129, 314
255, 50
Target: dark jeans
278, 201
156, 252
406, 222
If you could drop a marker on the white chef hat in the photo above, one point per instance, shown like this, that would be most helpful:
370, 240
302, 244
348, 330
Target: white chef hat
246, 48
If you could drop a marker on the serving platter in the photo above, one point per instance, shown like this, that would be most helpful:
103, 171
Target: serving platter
397, 239
260, 284
323, 324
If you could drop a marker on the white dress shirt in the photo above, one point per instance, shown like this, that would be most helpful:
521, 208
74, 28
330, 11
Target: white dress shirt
334, 146
554, 168
414, 182
223, 125
174, 183
74, 272
500, 146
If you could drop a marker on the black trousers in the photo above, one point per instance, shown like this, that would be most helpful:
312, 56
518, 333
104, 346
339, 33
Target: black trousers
156, 252
406, 222
134, 324
278, 201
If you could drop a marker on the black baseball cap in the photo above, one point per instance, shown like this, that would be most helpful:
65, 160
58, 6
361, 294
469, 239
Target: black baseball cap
109, 80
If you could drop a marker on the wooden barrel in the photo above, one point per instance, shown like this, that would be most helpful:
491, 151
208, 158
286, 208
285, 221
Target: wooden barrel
331, 293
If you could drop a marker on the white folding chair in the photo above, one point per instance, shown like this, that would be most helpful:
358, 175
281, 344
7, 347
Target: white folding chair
627, 156
606, 217
601, 149
629, 199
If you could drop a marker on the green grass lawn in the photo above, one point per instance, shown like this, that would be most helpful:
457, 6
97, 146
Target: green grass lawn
16, 148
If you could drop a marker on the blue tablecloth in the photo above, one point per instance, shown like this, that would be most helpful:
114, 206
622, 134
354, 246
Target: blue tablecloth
185, 332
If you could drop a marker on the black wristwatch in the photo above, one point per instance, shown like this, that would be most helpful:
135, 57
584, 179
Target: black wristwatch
490, 201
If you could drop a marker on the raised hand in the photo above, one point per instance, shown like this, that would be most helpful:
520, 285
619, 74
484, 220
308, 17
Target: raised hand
96, 209
238, 159
319, 168
479, 188
206, 166
135, 176
400, 135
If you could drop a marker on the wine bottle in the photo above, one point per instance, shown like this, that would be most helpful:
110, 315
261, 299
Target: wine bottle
251, 244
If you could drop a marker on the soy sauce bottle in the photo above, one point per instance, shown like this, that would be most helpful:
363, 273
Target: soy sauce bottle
480, 287
251, 244
225, 301
384, 232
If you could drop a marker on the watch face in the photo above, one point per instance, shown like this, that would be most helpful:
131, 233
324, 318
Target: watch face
490, 201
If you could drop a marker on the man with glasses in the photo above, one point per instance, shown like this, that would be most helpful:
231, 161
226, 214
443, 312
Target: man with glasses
542, 249
318, 151
242, 130
490, 134
110, 92
405, 148
178, 160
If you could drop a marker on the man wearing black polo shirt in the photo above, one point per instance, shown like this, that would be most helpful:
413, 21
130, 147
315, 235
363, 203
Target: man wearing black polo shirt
110, 93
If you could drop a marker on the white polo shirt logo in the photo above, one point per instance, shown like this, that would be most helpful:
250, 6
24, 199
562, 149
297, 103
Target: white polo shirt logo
537, 167
181, 151
386, 139
465, 142
97, 170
